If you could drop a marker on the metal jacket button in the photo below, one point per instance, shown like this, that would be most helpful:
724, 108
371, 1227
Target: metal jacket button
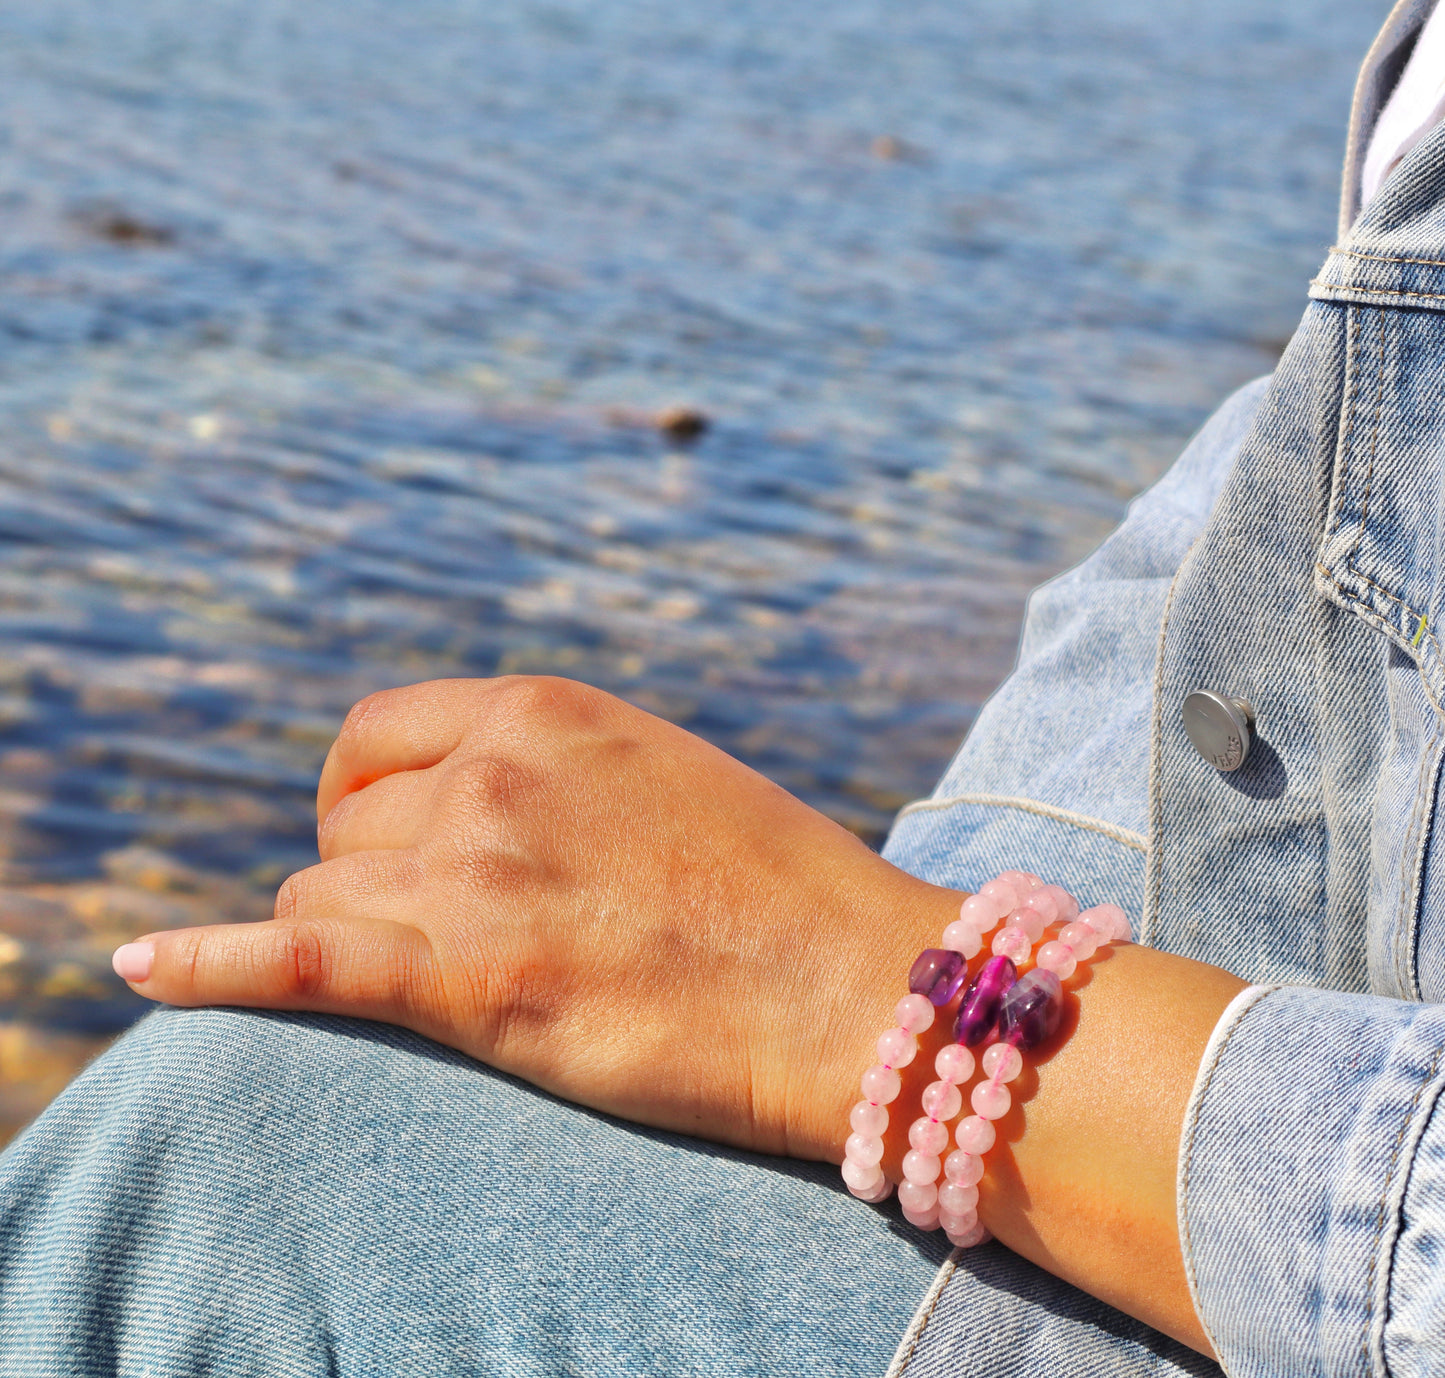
1220, 727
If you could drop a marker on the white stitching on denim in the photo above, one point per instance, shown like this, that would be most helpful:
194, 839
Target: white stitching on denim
1375, 291
1127, 836
1386, 258
922, 1316
1384, 1208
1374, 452
1150, 906
1186, 1151
1341, 475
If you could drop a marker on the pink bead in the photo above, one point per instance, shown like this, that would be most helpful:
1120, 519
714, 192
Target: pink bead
868, 1119
1002, 1062
920, 1167
914, 1014
974, 1134
896, 1048
1083, 939
1068, 905
970, 1240
955, 1198
1024, 880
981, 913
953, 1063
928, 1136
1030, 921
942, 1100
864, 1150
1001, 892
1043, 903
957, 1224
1012, 943
881, 1191
991, 1100
963, 937
923, 1220
917, 1196
1058, 958
1110, 920
859, 1176
966, 1168
881, 1085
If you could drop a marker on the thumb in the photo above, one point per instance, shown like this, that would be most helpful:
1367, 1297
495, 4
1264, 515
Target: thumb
371, 968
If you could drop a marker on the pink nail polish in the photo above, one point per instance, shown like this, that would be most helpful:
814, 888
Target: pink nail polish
133, 961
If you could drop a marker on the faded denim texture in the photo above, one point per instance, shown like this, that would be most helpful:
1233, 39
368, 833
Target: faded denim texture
238, 1193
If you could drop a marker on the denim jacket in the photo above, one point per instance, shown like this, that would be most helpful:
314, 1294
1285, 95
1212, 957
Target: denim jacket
1294, 557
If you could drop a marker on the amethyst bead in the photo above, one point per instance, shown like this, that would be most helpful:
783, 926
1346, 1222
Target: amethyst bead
978, 1015
938, 973
1032, 1009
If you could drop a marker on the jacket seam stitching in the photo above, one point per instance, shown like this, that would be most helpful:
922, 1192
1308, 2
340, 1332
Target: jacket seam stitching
1376, 291
1374, 618
1405, 1123
900, 1365
1386, 258
1127, 836
1374, 453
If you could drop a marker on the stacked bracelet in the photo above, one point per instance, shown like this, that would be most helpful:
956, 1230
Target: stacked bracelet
1017, 1012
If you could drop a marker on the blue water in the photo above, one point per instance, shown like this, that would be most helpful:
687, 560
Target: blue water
330, 335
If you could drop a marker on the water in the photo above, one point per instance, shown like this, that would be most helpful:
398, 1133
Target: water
331, 334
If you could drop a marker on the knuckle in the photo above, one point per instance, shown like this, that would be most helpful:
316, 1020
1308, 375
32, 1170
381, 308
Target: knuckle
303, 963
548, 699
490, 783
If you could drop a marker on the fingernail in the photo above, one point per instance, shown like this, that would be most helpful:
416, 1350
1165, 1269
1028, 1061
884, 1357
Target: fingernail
133, 961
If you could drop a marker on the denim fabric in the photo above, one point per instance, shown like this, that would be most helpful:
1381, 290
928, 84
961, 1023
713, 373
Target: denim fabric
231, 1193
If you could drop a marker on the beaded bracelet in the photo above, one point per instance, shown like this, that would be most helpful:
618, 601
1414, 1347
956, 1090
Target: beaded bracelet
1018, 1011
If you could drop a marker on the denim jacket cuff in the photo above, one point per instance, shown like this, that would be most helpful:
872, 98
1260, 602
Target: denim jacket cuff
1295, 1165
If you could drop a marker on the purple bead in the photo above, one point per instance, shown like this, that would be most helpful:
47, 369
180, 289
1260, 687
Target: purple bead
938, 973
1032, 1009
978, 1015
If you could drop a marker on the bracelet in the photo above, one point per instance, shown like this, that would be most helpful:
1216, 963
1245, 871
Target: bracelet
1016, 1012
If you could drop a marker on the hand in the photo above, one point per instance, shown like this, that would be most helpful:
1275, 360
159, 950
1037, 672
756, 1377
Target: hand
582, 894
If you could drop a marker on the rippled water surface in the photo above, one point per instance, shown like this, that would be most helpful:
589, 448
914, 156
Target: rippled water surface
331, 334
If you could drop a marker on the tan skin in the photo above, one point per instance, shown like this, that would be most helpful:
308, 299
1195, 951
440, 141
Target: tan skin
582, 894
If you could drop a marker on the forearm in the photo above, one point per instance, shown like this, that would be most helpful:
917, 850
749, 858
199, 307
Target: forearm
1082, 1180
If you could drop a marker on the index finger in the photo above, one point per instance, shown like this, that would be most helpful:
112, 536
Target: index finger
411, 728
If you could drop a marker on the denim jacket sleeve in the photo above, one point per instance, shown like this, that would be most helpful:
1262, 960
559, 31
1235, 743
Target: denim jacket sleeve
1312, 1186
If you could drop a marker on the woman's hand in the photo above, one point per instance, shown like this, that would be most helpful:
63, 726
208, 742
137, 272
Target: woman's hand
580, 893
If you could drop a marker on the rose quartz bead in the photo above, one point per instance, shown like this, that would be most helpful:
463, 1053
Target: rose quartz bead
974, 1134
971, 1239
859, 1176
896, 1048
923, 1220
966, 1168
1082, 938
1058, 958
1109, 920
941, 1100
881, 1191
991, 1100
1045, 905
920, 1167
1012, 943
1067, 904
928, 1136
869, 1119
955, 1198
954, 1063
864, 1150
917, 1196
1029, 920
963, 937
1002, 1062
961, 1229
981, 913
1000, 892
881, 1084
914, 1014
1025, 881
